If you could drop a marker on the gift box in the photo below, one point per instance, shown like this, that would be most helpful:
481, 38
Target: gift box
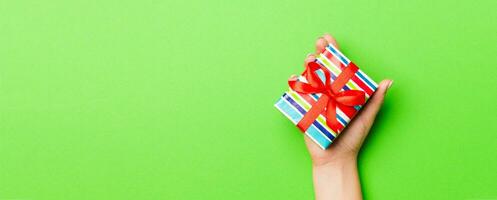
326, 96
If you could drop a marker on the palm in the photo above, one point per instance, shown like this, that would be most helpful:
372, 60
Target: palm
347, 144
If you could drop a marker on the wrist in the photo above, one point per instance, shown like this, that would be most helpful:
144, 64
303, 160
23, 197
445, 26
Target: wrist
337, 179
335, 161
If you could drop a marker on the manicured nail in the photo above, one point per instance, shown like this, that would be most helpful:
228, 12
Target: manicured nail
390, 84
309, 54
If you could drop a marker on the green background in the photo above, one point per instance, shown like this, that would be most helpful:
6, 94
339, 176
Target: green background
174, 99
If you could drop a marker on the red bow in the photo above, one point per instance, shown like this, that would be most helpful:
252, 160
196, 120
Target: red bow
331, 96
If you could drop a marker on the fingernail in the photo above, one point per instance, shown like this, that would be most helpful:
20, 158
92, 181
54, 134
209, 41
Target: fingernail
309, 54
390, 84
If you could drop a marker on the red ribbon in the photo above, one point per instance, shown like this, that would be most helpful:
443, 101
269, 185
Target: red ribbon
331, 97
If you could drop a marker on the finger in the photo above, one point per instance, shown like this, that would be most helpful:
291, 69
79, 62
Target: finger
310, 57
373, 106
321, 43
330, 39
311, 145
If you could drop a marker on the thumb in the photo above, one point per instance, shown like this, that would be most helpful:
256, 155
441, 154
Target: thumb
371, 109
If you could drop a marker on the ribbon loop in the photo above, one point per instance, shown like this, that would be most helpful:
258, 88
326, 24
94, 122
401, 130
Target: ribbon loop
331, 97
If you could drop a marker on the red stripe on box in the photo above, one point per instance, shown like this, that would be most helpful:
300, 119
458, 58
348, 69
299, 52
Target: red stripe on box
356, 79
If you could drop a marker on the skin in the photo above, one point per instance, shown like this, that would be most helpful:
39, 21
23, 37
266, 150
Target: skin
335, 172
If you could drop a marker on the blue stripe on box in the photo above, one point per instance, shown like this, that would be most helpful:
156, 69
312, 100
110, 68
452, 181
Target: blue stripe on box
338, 55
302, 111
367, 81
341, 119
320, 73
295, 117
346, 63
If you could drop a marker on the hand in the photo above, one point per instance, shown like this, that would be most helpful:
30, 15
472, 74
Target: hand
349, 142
335, 169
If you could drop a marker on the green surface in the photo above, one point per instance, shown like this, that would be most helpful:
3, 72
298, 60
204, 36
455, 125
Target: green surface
174, 100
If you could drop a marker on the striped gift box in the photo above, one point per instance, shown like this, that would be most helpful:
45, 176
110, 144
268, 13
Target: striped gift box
295, 105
